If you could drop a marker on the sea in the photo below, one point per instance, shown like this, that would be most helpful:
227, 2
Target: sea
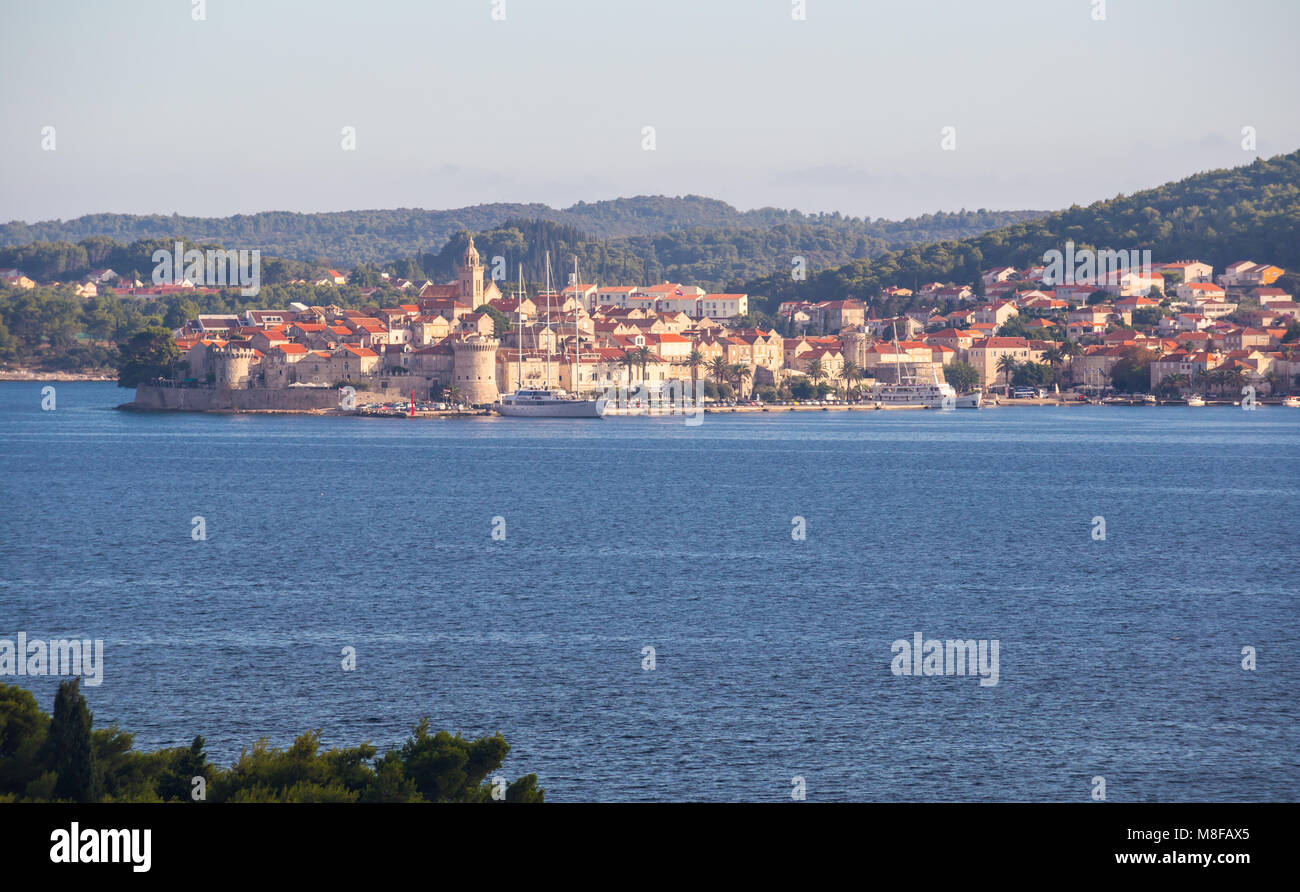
650, 610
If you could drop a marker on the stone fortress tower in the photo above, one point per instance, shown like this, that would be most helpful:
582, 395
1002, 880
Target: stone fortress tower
231, 364
855, 341
474, 370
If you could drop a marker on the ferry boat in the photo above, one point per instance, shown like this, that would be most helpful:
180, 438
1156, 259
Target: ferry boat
1291, 402
548, 401
1196, 400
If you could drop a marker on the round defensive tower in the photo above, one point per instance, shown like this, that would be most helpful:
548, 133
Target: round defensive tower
855, 341
474, 369
231, 364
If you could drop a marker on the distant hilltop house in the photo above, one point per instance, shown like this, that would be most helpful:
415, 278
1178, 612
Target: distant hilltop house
332, 277
15, 279
1248, 274
998, 274
1185, 271
829, 315
1200, 291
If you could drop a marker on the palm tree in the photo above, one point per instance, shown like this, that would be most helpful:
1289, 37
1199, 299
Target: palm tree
1236, 379
1007, 365
1069, 350
1216, 378
1172, 385
851, 375
1054, 356
693, 361
739, 371
816, 371
1277, 382
628, 360
718, 368
644, 355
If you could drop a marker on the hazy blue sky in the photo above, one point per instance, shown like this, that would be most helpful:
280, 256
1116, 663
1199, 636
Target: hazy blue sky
242, 112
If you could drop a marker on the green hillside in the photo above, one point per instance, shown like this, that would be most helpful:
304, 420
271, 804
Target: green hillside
1219, 216
348, 238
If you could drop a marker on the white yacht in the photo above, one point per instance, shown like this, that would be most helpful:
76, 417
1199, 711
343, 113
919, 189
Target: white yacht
548, 401
1291, 402
1196, 400
918, 396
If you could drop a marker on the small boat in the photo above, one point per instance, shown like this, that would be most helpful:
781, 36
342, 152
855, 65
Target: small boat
1196, 400
1291, 402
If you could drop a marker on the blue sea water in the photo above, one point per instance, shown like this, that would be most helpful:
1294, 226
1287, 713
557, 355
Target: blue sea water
1119, 658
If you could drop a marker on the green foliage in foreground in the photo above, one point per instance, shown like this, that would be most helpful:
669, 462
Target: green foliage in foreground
63, 758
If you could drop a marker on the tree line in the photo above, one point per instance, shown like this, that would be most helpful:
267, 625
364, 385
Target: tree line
350, 238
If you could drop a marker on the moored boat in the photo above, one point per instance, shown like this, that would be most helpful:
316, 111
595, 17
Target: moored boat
548, 401
909, 393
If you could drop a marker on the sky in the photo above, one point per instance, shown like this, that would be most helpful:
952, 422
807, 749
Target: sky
237, 106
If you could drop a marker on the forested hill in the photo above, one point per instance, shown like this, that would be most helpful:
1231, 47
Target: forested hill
348, 238
1250, 212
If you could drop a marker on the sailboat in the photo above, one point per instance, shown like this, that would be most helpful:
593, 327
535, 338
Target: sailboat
548, 401
909, 393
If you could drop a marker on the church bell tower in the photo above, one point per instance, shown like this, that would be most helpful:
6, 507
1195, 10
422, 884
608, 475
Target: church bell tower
470, 278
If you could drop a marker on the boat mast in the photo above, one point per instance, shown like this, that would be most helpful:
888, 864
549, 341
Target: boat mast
577, 360
898, 368
519, 347
548, 293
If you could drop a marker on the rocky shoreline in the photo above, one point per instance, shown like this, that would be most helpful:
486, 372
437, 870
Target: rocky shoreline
28, 375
